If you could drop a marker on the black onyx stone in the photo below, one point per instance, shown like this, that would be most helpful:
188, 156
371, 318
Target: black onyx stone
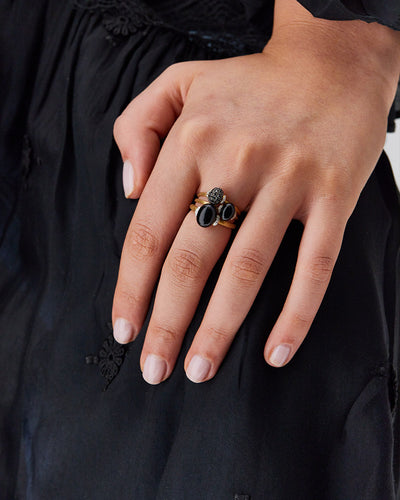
215, 195
206, 215
228, 211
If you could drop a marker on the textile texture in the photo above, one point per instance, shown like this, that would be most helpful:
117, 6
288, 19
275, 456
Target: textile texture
77, 420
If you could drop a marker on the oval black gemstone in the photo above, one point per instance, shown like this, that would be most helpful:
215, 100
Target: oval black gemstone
215, 195
228, 211
206, 215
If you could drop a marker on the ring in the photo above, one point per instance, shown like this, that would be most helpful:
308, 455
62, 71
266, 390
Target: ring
214, 209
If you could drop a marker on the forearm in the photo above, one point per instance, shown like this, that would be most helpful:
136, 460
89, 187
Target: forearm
368, 50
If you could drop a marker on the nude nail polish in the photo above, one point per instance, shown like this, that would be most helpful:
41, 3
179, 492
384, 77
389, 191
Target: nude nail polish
128, 178
123, 331
279, 355
154, 369
198, 369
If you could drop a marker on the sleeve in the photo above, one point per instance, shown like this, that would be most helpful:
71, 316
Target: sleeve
386, 12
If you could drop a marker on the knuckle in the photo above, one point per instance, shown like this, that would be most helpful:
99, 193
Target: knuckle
185, 266
127, 296
248, 267
195, 131
300, 320
293, 166
142, 242
245, 154
165, 334
172, 68
218, 335
320, 269
338, 186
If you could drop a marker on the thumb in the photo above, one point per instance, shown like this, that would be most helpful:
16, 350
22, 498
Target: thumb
138, 131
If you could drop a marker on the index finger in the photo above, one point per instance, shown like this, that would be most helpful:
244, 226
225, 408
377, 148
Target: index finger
159, 213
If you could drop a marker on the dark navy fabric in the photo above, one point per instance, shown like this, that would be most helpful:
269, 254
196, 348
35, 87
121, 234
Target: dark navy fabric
387, 12
77, 420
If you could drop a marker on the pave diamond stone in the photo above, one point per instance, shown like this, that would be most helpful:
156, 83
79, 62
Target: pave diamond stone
206, 215
217, 219
215, 195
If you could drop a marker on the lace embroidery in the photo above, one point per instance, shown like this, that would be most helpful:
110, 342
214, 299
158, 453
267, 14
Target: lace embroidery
122, 18
119, 18
109, 359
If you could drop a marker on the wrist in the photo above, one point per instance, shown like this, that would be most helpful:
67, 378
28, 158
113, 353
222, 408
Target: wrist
367, 53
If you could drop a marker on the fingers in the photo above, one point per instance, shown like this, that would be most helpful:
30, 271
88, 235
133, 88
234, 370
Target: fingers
163, 205
159, 213
318, 252
188, 265
190, 260
243, 272
148, 119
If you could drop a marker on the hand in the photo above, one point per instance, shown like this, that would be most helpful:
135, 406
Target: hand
288, 135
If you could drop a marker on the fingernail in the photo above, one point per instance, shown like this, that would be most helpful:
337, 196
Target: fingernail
123, 331
279, 355
128, 178
154, 369
198, 369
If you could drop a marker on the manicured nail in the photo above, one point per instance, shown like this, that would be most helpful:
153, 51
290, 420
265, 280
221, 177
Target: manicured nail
123, 331
279, 355
128, 178
154, 369
198, 369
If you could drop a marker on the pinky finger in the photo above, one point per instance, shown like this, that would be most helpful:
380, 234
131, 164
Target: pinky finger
319, 248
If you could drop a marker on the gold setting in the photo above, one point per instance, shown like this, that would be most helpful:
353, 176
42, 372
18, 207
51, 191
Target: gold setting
198, 202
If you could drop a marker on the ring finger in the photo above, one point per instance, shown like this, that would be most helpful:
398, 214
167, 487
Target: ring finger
242, 275
183, 277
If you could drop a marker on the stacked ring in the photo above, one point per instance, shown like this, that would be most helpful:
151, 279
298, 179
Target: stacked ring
214, 209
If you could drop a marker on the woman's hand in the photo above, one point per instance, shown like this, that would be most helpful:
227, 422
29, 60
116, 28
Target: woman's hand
290, 133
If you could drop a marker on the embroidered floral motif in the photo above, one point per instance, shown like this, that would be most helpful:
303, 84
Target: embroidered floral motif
110, 359
120, 25
122, 18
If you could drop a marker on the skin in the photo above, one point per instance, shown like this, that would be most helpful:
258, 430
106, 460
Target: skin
293, 132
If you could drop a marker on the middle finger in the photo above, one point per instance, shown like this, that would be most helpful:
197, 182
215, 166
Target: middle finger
187, 267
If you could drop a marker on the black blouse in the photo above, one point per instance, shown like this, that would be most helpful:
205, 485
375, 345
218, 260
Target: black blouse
385, 12
244, 23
